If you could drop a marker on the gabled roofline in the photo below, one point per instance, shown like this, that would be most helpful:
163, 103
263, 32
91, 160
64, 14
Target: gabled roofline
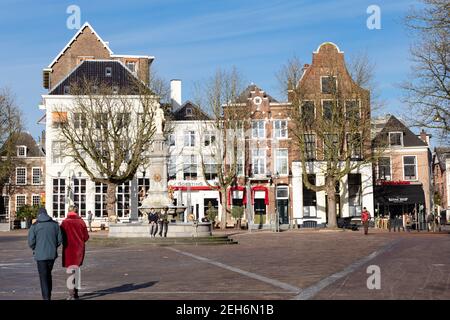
328, 42
136, 56
86, 24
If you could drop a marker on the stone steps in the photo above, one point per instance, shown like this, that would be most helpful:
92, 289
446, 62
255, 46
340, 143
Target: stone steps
213, 240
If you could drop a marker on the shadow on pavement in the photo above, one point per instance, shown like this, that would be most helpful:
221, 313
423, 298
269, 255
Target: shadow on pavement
120, 289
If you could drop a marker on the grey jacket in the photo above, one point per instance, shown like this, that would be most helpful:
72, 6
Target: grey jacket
44, 238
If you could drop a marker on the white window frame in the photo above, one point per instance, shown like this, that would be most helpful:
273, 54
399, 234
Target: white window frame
24, 148
277, 133
321, 89
60, 157
102, 202
390, 166
33, 196
108, 72
133, 62
172, 140
122, 212
193, 160
25, 201
277, 157
350, 149
190, 136
282, 188
7, 204
208, 137
359, 107
33, 176
60, 207
401, 139
172, 164
25, 182
259, 158
315, 146
415, 165
261, 132
321, 103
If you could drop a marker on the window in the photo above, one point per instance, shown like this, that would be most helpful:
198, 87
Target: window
329, 84
354, 194
58, 119
101, 120
123, 200
143, 187
66, 90
189, 138
240, 163
108, 72
172, 168
280, 129
115, 89
123, 119
21, 176
131, 65
308, 112
309, 198
384, 168
281, 160
172, 140
189, 111
352, 110
327, 109
258, 129
410, 167
210, 138
190, 167
395, 139
4, 208
21, 151
35, 200
331, 146
102, 149
57, 152
354, 145
59, 198
21, 200
100, 200
79, 195
259, 161
79, 120
36, 176
282, 192
210, 167
310, 146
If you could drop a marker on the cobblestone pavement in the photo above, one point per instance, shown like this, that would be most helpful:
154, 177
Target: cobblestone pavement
264, 265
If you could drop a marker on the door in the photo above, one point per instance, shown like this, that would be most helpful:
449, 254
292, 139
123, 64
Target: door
282, 209
260, 211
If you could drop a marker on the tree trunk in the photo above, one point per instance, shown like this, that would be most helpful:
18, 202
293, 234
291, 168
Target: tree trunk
223, 215
111, 201
331, 204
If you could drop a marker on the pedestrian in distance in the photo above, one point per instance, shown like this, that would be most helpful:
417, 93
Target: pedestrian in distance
90, 217
430, 220
153, 221
44, 238
163, 222
365, 218
75, 236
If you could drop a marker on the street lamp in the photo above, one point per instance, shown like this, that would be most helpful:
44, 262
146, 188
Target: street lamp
277, 213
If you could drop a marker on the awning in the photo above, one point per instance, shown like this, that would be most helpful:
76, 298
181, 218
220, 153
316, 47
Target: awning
237, 188
263, 189
399, 194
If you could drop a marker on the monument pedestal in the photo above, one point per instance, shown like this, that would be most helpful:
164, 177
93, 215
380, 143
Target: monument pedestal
175, 230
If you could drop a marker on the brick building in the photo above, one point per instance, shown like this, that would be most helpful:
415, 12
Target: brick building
441, 179
26, 185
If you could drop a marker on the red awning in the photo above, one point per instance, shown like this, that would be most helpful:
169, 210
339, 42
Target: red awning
261, 188
237, 188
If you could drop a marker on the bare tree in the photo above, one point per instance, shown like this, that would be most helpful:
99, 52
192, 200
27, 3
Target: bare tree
331, 124
10, 128
109, 133
428, 89
218, 97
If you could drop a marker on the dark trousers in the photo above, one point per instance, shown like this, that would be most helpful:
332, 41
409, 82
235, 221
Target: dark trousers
45, 268
366, 227
163, 226
153, 229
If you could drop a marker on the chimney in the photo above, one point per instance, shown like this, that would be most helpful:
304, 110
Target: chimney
424, 137
175, 93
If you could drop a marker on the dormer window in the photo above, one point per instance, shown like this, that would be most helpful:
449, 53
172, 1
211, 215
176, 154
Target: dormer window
108, 71
131, 65
395, 139
66, 89
22, 151
189, 111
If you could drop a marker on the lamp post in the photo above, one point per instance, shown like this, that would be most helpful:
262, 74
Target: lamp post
277, 213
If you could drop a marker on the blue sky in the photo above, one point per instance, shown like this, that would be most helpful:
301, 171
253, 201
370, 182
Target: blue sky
191, 39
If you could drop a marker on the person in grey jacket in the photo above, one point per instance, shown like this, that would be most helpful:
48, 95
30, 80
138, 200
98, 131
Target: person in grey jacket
44, 238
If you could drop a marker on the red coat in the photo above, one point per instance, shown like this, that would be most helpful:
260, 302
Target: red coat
75, 235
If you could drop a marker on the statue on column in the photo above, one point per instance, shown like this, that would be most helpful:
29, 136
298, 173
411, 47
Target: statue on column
159, 120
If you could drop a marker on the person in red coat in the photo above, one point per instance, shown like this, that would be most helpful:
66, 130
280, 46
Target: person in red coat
75, 235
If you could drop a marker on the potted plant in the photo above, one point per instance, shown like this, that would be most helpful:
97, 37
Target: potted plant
211, 213
237, 212
26, 214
